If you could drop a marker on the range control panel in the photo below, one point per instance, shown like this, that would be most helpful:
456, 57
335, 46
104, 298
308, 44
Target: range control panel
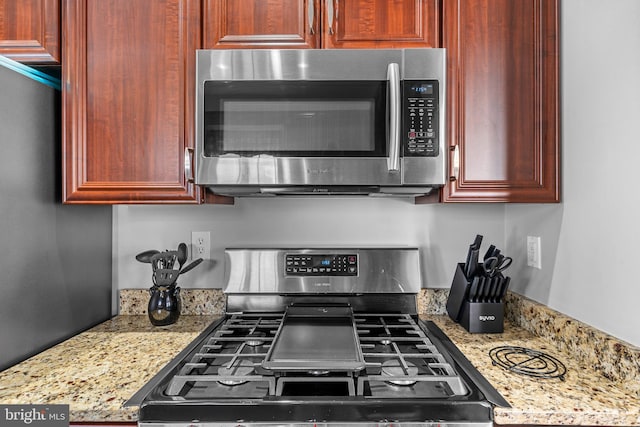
420, 118
321, 265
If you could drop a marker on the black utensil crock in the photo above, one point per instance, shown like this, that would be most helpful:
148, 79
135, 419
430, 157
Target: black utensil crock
164, 305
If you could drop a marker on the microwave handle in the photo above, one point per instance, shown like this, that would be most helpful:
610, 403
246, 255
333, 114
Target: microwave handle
393, 77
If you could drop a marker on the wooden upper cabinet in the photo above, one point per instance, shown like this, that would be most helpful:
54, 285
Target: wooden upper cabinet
128, 78
30, 31
320, 23
272, 24
380, 23
503, 105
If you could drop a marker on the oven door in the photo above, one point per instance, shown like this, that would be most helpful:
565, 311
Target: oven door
300, 132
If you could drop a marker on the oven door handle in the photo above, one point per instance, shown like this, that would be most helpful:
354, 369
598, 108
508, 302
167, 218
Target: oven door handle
393, 77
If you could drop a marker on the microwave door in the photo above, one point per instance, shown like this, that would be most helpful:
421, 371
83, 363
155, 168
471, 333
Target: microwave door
302, 132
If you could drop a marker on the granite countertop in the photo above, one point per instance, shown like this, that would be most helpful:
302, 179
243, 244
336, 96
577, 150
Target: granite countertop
585, 397
98, 370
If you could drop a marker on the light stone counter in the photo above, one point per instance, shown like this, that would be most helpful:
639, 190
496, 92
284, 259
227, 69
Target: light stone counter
96, 371
584, 398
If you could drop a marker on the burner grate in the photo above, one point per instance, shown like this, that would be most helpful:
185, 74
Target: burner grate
528, 362
399, 356
394, 346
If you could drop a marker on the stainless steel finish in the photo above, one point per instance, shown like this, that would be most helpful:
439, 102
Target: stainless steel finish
266, 170
311, 10
413, 374
333, 191
249, 176
393, 76
317, 64
184, 398
242, 303
381, 270
188, 170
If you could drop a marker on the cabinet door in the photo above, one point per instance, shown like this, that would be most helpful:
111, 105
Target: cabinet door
128, 103
30, 31
503, 100
261, 24
380, 23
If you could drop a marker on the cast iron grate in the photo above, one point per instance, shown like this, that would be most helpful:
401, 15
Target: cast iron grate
529, 362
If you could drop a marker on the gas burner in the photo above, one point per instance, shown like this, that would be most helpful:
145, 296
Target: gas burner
254, 339
393, 368
529, 362
237, 371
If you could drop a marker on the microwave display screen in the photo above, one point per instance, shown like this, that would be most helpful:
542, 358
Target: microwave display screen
295, 118
423, 89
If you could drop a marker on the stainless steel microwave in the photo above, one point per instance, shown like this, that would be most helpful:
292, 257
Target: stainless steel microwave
321, 122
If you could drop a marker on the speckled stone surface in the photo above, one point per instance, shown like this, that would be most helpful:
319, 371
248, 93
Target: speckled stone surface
432, 301
584, 398
96, 371
614, 359
211, 301
602, 388
194, 301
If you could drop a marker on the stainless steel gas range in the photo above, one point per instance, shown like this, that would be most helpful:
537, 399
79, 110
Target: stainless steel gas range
320, 337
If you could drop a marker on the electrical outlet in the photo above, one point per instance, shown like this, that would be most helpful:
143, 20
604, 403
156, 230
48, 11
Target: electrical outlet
201, 244
534, 252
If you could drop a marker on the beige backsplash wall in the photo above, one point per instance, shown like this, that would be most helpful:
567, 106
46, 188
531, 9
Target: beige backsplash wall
442, 232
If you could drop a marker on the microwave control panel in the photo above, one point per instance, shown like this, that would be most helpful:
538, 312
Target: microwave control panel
321, 265
420, 119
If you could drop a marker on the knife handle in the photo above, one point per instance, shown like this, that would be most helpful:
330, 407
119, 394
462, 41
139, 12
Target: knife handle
473, 290
475, 246
477, 242
505, 286
481, 283
489, 252
496, 282
473, 264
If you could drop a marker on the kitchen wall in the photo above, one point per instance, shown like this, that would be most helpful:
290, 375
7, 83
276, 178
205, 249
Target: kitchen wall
55, 268
590, 241
442, 232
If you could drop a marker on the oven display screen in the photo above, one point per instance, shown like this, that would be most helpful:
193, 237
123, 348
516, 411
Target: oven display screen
321, 265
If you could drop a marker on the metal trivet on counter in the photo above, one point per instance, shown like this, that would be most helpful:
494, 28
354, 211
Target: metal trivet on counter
529, 362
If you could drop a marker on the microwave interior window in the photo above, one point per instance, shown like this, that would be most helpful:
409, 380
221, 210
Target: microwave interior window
294, 118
